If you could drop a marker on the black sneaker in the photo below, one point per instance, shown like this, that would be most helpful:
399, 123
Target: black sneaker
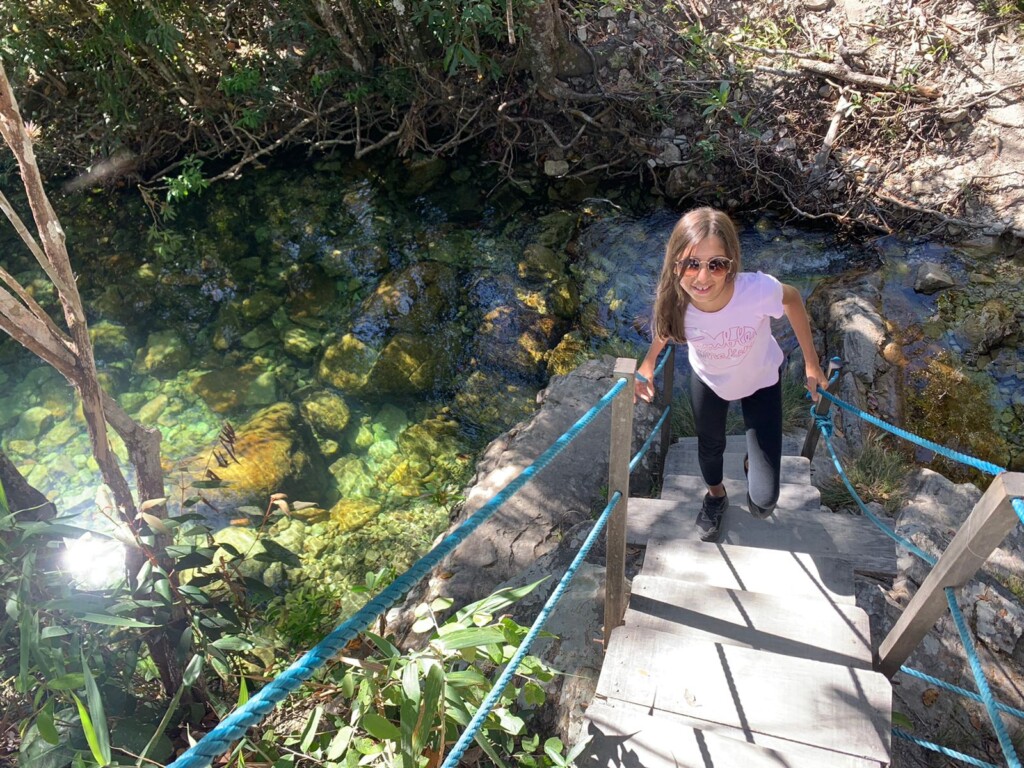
761, 513
709, 520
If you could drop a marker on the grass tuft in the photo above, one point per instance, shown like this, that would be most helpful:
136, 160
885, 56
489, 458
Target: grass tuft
878, 474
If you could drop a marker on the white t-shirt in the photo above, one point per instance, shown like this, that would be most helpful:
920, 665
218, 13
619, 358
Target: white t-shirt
733, 350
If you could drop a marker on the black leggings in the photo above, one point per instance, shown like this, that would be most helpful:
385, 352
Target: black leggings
762, 416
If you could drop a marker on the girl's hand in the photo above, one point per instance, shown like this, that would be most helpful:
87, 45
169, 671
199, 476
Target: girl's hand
643, 389
815, 378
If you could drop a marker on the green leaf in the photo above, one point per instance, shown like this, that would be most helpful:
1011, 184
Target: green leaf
423, 625
5, 509
312, 724
90, 734
411, 683
192, 671
488, 747
340, 742
95, 703
233, 643
472, 637
553, 749
533, 694
115, 621
70, 682
380, 728
44, 722
900, 720
433, 690
495, 602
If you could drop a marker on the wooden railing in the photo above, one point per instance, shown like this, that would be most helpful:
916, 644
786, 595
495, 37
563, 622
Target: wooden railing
991, 520
619, 456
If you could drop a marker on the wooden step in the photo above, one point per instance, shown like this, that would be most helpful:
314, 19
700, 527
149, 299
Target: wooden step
847, 537
791, 495
826, 706
807, 628
791, 444
622, 735
756, 570
794, 469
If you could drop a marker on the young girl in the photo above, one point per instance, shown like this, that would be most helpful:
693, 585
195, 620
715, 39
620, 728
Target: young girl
723, 316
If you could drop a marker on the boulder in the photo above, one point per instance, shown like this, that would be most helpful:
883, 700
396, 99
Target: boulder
414, 300
276, 453
931, 278
165, 352
987, 328
346, 364
326, 412
411, 364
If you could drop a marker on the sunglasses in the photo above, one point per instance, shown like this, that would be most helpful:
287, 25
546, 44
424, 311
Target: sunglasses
716, 266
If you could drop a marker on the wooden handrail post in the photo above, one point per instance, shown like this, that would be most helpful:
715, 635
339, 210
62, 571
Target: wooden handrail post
992, 518
821, 408
668, 382
620, 446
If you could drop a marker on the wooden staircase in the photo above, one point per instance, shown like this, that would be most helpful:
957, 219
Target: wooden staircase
748, 652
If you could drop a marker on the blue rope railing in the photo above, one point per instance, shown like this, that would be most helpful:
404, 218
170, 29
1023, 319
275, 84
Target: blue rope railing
485, 708
235, 725
993, 707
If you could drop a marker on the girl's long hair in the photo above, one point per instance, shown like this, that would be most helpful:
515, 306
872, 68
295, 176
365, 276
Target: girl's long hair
671, 300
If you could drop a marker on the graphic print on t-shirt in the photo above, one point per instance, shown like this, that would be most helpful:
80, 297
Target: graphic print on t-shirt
731, 344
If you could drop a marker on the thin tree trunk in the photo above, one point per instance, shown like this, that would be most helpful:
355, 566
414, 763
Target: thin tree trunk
350, 43
72, 356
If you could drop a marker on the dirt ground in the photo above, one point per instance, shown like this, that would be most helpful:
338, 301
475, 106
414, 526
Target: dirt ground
973, 170
894, 114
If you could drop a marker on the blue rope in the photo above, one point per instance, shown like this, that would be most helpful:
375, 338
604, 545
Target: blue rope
943, 750
1019, 713
963, 458
824, 423
492, 698
234, 726
982, 682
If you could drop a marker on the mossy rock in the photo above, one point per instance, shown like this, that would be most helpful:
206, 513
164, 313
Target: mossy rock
165, 352
421, 174
259, 306
488, 403
228, 388
349, 514
410, 364
110, 341
567, 355
311, 292
276, 453
326, 412
346, 364
539, 262
414, 300
515, 338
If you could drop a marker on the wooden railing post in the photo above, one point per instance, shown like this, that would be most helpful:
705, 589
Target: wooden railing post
821, 408
985, 528
619, 449
665, 401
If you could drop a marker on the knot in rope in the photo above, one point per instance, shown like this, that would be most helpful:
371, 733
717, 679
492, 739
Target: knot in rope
823, 421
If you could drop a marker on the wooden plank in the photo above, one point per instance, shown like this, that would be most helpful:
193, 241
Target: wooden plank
847, 537
619, 450
791, 444
622, 735
751, 568
794, 469
824, 705
791, 495
804, 627
988, 524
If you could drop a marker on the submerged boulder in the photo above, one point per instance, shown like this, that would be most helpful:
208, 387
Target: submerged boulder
274, 453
